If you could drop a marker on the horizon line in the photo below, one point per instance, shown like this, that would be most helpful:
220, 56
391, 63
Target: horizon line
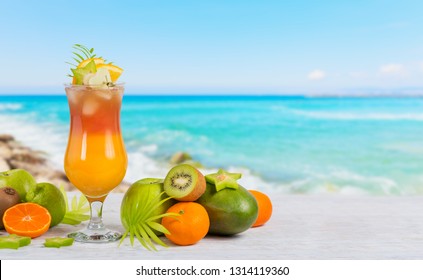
222, 94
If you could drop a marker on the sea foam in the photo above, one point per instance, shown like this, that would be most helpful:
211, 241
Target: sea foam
349, 116
10, 106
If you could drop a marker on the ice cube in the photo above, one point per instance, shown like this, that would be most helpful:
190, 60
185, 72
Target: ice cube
90, 106
105, 93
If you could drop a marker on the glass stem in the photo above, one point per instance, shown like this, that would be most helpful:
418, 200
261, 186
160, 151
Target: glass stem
96, 221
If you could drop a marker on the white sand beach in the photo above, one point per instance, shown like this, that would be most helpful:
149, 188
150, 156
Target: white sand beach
303, 227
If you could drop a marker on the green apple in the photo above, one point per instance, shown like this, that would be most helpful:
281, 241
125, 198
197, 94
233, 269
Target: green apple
18, 179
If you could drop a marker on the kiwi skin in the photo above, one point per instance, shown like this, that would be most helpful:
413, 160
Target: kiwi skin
197, 190
8, 198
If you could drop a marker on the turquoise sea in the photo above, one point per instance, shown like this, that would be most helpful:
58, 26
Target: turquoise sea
285, 144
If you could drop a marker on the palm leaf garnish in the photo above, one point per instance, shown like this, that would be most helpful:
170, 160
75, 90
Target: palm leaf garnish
140, 222
79, 210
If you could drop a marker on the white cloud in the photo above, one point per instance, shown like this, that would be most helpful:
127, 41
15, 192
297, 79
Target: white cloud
316, 75
392, 69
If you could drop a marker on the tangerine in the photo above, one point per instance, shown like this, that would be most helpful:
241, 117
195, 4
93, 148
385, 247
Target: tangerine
264, 208
27, 219
190, 227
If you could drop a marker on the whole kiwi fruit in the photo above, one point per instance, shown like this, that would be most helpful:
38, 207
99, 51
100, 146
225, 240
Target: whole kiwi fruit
8, 198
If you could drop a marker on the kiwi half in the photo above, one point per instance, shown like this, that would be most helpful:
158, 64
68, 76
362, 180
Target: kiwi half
184, 183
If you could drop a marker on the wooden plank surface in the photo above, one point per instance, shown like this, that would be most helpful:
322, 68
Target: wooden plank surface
305, 227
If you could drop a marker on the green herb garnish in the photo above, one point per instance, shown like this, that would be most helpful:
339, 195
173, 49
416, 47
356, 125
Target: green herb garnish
82, 53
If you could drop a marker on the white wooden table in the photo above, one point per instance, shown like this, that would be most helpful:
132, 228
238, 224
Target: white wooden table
302, 227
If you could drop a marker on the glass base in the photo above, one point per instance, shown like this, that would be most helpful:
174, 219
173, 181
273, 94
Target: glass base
96, 236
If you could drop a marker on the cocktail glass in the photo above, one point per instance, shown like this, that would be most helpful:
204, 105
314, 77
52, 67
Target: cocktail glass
95, 160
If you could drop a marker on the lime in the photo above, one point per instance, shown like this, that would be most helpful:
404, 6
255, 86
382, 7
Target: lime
50, 197
18, 179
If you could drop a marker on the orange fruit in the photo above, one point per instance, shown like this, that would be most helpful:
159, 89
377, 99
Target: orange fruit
264, 208
27, 219
114, 71
84, 63
190, 227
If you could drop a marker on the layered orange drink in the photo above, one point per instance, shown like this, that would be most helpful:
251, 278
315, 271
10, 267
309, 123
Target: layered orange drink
95, 160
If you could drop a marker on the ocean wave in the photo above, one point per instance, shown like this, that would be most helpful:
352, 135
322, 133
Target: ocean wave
338, 182
10, 106
346, 182
415, 149
149, 148
48, 137
348, 116
341, 182
142, 166
52, 138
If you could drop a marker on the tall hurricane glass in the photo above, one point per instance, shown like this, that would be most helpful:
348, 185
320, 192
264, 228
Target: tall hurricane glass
95, 160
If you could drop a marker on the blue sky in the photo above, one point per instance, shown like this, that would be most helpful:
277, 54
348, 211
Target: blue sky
216, 46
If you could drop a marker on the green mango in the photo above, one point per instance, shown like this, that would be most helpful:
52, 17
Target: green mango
231, 211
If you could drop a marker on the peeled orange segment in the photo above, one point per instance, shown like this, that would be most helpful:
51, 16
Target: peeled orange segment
27, 219
114, 70
96, 60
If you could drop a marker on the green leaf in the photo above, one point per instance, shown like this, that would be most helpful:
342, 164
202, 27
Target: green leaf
125, 234
150, 219
79, 216
79, 210
141, 239
145, 236
158, 227
140, 221
82, 49
82, 203
74, 203
70, 221
71, 64
131, 236
78, 55
153, 235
